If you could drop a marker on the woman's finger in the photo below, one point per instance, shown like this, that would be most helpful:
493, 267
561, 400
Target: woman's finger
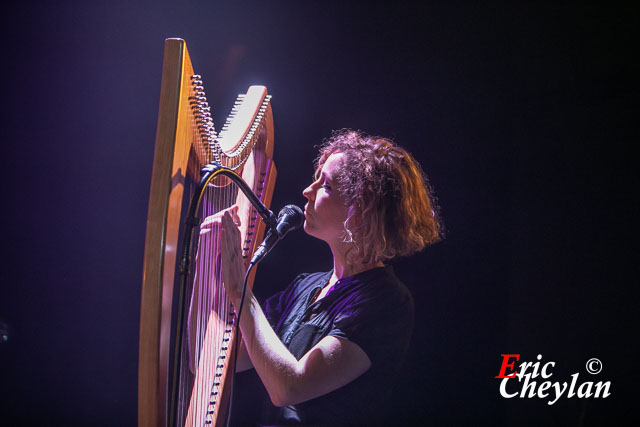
231, 234
230, 224
236, 218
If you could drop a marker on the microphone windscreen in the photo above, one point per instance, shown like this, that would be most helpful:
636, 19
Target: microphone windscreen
295, 216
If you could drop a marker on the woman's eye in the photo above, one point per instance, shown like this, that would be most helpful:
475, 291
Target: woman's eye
326, 186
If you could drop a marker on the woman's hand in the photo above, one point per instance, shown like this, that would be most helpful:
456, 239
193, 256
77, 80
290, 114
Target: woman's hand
214, 222
233, 266
224, 225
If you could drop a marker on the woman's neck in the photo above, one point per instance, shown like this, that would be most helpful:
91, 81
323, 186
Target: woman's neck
343, 268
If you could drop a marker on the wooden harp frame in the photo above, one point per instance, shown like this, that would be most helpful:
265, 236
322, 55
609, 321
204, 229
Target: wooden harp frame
185, 142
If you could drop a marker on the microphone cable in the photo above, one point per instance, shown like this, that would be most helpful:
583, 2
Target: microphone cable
236, 340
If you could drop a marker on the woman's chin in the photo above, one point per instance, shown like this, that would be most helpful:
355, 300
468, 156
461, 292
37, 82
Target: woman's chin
308, 228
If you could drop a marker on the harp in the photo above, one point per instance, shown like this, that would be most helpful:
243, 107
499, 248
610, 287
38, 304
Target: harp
189, 384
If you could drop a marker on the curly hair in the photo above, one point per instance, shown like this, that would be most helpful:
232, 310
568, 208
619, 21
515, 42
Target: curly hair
390, 208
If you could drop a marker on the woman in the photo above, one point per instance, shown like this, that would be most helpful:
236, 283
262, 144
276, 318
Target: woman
327, 347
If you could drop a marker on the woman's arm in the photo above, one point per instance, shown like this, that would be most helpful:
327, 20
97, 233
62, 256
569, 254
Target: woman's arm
243, 362
329, 365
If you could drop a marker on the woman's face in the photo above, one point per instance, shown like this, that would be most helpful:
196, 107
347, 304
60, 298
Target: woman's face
325, 211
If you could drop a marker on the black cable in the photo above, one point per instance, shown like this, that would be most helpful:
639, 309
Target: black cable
236, 343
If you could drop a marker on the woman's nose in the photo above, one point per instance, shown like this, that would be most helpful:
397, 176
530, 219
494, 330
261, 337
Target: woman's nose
308, 192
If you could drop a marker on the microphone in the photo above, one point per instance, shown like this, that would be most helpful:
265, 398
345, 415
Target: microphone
289, 218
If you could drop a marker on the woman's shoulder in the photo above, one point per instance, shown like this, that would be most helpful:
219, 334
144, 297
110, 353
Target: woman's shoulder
382, 282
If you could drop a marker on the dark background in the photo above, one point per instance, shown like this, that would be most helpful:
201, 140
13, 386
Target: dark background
523, 118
